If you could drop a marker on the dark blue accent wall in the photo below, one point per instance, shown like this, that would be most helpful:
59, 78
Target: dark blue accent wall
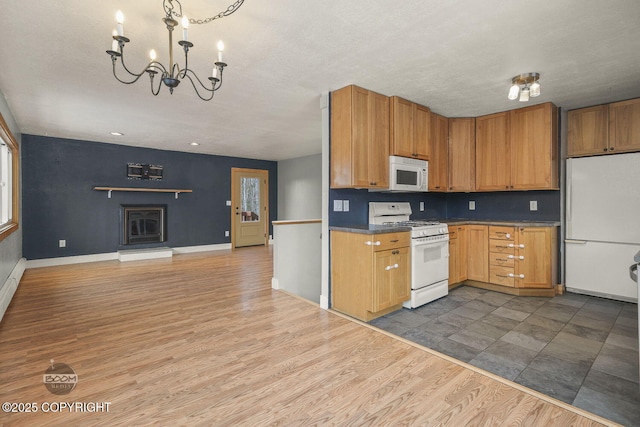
58, 200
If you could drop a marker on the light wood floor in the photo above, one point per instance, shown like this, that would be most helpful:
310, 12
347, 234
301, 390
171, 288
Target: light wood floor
202, 339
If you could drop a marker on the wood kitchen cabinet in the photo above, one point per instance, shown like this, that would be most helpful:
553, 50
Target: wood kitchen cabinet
370, 273
439, 157
478, 253
493, 152
458, 249
410, 129
517, 149
523, 257
604, 129
462, 154
359, 139
588, 131
534, 147
624, 126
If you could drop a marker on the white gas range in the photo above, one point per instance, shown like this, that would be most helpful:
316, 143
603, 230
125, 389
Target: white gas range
429, 250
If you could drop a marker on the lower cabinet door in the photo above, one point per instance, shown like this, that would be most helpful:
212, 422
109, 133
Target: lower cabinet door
392, 286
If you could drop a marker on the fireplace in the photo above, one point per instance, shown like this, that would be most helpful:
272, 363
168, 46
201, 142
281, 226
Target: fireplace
144, 224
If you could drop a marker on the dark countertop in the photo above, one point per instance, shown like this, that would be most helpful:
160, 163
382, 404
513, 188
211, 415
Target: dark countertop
377, 229
370, 229
500, 222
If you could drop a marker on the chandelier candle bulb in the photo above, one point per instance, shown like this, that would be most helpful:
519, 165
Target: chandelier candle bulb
119, 23
220, 49
153, 55
185, 27
114, 43
214, 73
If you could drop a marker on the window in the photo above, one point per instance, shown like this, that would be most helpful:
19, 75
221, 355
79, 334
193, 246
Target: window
8, 181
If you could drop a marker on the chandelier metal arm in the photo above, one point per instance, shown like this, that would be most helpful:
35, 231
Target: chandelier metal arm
151, 76
195, 88
137, 76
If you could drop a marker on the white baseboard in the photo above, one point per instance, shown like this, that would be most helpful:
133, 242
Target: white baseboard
10, 285
78, 259
201, 248
143, 254
109, 256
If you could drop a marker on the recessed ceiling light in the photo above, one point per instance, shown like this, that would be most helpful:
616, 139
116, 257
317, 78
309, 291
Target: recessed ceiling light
117, 133
194, 143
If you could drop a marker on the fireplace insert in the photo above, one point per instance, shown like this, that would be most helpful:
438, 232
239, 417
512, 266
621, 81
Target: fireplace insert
144, 224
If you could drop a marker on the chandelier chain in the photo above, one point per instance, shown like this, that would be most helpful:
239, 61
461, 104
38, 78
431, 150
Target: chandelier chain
228, 11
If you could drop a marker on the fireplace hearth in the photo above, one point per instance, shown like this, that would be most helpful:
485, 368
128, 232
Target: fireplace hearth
144, 224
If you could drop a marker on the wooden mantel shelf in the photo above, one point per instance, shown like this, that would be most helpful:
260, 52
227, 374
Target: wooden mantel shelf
145, 190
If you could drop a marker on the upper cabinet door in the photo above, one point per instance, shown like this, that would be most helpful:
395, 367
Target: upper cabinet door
359, 139
534, 147
378, 160
624, 126
422, 132
588, 131
439, 157
493, 152
462, 155
401, 125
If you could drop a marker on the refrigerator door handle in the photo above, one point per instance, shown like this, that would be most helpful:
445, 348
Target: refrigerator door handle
633, 272
575, 242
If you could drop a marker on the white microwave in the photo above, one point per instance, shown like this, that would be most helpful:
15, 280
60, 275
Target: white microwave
406, 174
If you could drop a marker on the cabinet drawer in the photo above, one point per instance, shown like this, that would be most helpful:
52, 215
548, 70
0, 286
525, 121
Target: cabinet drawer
453, 233
501, 259
501, 233
502, 246
502, 276
382, 242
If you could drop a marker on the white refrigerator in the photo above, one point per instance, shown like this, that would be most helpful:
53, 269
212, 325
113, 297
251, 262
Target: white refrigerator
602, 225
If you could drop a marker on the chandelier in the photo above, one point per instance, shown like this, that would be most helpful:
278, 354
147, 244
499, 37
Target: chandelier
524, 86
172, 74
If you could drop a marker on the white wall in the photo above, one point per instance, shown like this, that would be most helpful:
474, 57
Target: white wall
300, 188
11, 263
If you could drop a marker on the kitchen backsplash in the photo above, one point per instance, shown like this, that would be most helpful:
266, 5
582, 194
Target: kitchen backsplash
507, 206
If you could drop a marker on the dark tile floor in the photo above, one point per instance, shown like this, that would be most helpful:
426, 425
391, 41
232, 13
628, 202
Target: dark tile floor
579, 349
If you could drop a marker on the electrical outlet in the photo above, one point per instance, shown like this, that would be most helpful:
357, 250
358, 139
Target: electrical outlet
337, 205
228, 202
533, 205
421, 206
345, 206
472, 205
62, 243
226, 233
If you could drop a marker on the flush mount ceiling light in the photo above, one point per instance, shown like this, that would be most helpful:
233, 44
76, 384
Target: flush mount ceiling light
172, 74
525, 86
117, 133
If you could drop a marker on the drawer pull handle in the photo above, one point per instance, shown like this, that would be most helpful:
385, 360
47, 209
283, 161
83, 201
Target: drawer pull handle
510, 245
502, 233
521, 246
391, 267
394, 241
369, 243
511, 257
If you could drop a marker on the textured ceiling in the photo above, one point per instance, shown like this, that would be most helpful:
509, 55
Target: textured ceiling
455, 56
